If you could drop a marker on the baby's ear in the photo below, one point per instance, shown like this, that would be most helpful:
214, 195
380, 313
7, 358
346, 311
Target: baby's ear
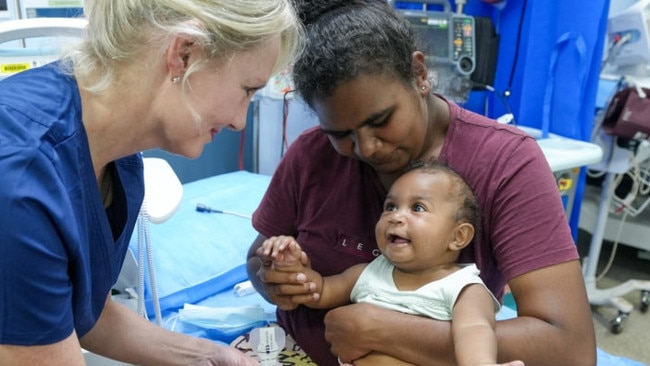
462, 236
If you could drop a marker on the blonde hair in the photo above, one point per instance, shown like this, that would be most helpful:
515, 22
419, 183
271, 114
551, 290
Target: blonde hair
120, 30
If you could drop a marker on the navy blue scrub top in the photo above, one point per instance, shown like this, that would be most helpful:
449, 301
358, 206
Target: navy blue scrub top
60, 250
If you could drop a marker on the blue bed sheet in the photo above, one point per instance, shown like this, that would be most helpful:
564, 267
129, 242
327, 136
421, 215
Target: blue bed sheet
198, 254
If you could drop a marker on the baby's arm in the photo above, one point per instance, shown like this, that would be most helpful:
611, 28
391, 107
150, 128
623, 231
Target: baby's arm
283, 253
473, 328
335, 290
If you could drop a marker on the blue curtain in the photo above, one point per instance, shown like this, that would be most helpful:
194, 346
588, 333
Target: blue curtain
549, 64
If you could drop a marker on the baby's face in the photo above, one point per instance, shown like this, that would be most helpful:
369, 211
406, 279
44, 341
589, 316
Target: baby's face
418, 221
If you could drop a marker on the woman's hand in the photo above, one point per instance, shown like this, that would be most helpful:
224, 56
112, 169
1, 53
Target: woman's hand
355, 330
345, 329
227, 356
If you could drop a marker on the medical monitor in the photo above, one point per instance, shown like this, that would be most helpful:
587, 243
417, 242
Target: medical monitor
628, 33
448, 42
444, 37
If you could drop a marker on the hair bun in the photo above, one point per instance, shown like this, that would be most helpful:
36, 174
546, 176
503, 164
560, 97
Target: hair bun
310, 10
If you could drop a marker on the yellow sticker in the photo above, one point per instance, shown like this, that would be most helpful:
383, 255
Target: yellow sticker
564, 184
13, 68
65, 3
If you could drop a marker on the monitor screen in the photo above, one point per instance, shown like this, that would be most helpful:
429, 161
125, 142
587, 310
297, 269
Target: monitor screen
432, 36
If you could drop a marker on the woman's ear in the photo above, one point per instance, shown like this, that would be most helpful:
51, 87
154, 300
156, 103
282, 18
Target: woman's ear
462, 236
420, 71
178, 56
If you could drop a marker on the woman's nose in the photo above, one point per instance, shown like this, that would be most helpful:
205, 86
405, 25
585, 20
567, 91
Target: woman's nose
239, 122
237, 126
366, 144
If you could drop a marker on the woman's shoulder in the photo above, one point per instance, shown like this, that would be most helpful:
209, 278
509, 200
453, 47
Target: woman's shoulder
470, 121
51, 97
487, 137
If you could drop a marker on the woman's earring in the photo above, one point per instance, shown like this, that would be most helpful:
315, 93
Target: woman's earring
423, 87
176, 79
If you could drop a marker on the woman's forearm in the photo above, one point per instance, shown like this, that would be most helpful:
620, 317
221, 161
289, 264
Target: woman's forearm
358, 329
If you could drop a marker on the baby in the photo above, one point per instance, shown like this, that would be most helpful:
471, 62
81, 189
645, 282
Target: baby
430, 214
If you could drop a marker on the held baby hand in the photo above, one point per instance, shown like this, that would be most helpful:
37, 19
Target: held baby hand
283, 252
285, 289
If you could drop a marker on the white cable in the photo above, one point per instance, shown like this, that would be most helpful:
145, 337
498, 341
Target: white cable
608, 266
612, 188
640, 187
644, 176
142, 310
643, 158
626, 202
615, 48
145, 249
459, 6
598, 124
152, 271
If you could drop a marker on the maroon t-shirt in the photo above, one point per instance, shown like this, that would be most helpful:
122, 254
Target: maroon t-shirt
331, 204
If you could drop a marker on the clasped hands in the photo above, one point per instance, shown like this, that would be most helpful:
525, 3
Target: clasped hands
286, 273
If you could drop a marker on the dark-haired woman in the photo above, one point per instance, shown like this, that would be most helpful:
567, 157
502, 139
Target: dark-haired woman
363, 76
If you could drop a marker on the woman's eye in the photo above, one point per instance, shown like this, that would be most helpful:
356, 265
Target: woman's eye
338, 135
380, 123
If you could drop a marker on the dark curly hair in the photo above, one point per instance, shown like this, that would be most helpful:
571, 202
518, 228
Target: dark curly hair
348, 38
469, 210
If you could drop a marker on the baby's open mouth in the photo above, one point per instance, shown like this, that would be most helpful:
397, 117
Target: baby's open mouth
395, 239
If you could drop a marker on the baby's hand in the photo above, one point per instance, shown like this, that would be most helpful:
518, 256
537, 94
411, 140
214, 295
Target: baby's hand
283, 252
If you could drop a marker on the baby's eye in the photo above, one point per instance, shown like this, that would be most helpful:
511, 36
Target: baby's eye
418, 208
388, 206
